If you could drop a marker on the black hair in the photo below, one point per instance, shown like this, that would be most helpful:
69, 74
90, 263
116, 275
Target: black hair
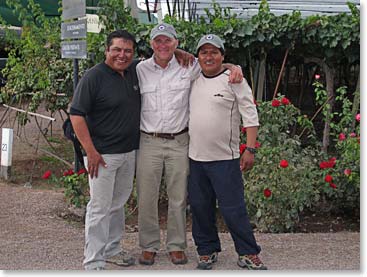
120, 34
220, 49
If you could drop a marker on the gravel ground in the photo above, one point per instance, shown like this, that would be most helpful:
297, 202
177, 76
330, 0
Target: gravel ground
34, 237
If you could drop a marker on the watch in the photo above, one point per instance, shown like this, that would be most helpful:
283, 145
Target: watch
251, 150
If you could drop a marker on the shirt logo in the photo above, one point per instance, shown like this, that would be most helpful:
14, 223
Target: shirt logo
219, 95
135, 87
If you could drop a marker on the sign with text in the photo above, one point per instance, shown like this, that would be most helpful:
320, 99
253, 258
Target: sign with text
75, 29
73, 9
76, 49
93, 23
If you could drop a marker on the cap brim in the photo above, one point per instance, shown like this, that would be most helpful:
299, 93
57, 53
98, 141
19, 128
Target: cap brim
208, 42
162, 34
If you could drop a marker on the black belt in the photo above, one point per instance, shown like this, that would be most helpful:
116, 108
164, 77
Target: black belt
166, 135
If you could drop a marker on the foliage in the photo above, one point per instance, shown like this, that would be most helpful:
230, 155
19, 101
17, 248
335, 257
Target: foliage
281, 183
76, 188
343, 191
34, 71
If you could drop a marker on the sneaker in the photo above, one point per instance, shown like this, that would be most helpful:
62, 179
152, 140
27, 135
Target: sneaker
122, 259
206, 261
252, 262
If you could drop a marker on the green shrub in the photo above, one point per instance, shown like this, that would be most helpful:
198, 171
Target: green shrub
281, 183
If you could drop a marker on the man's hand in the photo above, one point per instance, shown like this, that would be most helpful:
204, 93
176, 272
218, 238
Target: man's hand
236, 75
184, 58
247, 161
82, 133
94, 160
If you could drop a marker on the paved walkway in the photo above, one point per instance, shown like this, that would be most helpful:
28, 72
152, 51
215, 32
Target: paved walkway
33, 237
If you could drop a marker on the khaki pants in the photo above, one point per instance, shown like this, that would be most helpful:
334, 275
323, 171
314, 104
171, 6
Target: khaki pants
105, 218
157, 156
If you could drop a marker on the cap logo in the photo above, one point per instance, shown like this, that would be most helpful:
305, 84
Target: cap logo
209, 37
161, 27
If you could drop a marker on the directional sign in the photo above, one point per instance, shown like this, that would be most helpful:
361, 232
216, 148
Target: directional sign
76, 49
75, 29
73, 9
93, 23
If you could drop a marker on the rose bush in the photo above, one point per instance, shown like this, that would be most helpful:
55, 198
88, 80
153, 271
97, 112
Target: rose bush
291, 172
343, 194
76, 188
281, 183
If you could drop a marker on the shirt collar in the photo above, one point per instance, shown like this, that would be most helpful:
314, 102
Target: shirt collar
172, 63
110, 70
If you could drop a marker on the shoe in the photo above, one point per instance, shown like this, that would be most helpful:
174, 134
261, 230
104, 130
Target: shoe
147, 258
206, 261
252, 262
178, 257
98, 268
122, 259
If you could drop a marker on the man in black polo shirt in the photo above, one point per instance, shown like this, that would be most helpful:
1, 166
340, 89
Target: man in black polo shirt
105, 113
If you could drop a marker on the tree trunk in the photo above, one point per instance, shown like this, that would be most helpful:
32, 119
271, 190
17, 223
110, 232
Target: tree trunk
329, 76
261, 76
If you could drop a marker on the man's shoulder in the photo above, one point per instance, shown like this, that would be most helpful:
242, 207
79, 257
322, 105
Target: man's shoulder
144, 63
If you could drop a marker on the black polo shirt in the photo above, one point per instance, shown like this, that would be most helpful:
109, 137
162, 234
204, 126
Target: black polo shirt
110, 104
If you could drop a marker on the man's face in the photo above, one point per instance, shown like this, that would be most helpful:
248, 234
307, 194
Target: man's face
163, 48
120, 54
210, 59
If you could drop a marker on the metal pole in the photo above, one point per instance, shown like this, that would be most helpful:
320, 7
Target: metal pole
75, 83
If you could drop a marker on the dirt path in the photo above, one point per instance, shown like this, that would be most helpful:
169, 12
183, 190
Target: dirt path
34, 237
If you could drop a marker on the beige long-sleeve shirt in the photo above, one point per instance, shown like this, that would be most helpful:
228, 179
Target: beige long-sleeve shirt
165, 95
216, 108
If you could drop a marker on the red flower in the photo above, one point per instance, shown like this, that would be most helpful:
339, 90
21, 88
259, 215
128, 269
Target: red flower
243, 130
285, 101
242, 148
275, 103
358, 117
347, 172
283, 163
342, 136
333, 186
68, 172
82, 171
47, 174
317, 76
267, 193
353, 135
328, 178
332, 159
257, 144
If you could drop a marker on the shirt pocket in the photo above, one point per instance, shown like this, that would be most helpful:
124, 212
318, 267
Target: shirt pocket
178, 94
148, 98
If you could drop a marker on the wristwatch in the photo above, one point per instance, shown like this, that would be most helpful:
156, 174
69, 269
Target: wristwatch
251, 150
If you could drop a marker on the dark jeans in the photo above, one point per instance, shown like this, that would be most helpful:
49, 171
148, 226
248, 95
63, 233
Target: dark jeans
222, 180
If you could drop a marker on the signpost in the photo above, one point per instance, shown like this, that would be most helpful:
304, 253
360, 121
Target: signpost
72, 30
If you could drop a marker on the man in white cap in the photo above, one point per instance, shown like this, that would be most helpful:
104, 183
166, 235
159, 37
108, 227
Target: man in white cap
165, 87
216, 108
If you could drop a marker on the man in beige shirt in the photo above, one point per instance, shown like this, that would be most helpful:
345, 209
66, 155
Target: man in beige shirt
163, 150
216, 108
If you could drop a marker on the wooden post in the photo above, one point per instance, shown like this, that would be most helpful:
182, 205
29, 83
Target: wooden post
6, 153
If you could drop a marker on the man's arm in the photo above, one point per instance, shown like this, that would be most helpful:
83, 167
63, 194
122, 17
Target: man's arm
94, 158
184, 58
248, 158
236, 75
